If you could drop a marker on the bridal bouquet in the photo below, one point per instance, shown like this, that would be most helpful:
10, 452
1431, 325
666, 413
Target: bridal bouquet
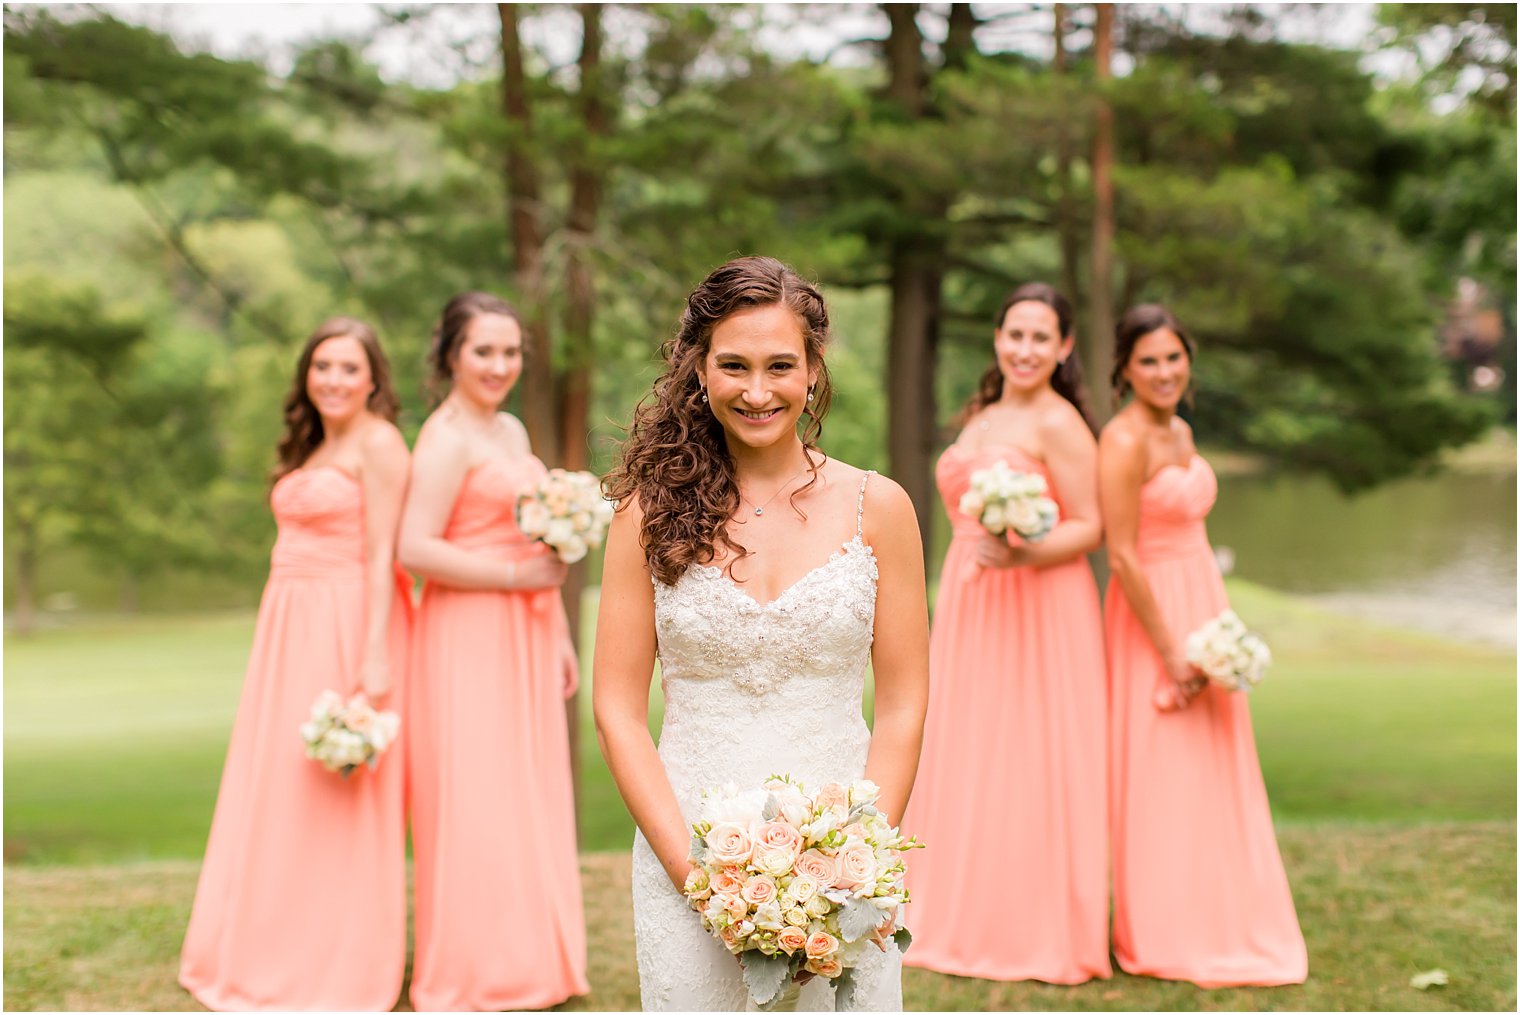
793, 882
344, 735
567, 511
1228, 654
1002, 499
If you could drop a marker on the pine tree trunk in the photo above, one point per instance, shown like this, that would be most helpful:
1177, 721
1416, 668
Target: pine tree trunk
1066, 212
24, 611
1098, 351
524, 210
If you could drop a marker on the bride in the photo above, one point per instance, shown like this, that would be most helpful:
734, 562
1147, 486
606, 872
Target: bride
765, 576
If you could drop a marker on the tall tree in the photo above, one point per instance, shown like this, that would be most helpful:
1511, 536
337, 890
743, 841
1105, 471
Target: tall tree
1097, 352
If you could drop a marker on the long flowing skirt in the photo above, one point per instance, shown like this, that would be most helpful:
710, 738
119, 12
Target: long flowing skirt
498, 895
1010, 797
301, 904
1199, 888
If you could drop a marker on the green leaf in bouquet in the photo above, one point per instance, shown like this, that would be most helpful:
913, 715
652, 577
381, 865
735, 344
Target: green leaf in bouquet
844, 990
698, 848
904, 938
764, 975
859, 811
857, 918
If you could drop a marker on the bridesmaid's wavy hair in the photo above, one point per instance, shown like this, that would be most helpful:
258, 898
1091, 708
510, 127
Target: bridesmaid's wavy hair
448, 335
676, 457
1067, 380
1137, 322
303, 423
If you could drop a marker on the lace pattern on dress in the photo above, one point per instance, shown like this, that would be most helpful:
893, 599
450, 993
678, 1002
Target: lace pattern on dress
753, 689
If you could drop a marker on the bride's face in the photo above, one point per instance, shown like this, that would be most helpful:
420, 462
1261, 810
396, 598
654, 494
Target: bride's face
757, 375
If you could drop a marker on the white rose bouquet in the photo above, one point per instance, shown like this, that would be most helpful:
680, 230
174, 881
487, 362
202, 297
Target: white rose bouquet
342, 735
1002, 499
1228, 654
567, 511
794, 882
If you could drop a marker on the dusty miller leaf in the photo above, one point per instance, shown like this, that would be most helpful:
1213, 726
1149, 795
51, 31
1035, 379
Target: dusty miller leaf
858, 918
764, 975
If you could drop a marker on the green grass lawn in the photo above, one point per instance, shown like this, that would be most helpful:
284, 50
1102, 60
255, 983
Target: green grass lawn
1389, 756
1377, 906
115, 731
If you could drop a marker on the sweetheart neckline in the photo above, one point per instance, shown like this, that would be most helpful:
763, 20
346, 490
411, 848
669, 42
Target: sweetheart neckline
840, 554
1172, 465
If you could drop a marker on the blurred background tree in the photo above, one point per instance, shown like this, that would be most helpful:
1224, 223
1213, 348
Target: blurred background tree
177, 222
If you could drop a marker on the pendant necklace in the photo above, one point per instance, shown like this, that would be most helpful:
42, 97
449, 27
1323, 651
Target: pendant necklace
761, 509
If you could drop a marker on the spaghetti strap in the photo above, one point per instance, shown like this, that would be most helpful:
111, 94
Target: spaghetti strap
860, 505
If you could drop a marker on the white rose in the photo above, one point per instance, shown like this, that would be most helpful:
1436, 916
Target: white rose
1023, 516
532, 518
572, 549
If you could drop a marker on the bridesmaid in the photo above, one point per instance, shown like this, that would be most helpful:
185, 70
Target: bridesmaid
1199, 888
498, 907
301, 904
1014, 884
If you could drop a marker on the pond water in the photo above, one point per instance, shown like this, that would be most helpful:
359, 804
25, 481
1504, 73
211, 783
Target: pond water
1434, 552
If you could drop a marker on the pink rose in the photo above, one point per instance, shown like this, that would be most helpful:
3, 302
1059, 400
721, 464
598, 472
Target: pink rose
779, 835
735, 904
828, 968
791, 939
821, 944
357, 715
854, 830
759, 890
834, 795
698, 885
819, 866
730, 937
728, 881
857, 867
730, 844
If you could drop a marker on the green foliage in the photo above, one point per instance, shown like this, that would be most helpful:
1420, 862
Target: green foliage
1307, 224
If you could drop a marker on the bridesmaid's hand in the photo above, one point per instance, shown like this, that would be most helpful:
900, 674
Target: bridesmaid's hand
1180, 685
544, 571
375, 679
994, 551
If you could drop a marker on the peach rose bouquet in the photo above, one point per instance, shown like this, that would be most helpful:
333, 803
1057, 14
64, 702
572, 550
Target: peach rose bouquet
794, 882
1228, 654
567, 511
342, 735
1002, 499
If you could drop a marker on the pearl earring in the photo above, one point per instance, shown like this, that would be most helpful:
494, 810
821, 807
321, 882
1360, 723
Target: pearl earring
810, 394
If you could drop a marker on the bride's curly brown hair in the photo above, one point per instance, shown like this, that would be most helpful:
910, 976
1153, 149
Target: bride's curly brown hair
676, 458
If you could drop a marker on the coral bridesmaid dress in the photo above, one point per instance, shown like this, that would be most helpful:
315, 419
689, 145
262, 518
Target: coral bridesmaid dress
301, 904
498, 904
1199, 888
1010, 796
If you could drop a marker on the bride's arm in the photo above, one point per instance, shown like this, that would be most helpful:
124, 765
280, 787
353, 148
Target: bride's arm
900, 651
621, 670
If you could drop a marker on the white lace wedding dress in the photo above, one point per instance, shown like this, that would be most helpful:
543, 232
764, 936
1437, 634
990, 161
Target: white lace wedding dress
753, 690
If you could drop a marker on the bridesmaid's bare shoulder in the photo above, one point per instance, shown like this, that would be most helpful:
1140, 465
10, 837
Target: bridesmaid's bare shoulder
382, 438
517, 433
441, 437
1121, 436
1060, 424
